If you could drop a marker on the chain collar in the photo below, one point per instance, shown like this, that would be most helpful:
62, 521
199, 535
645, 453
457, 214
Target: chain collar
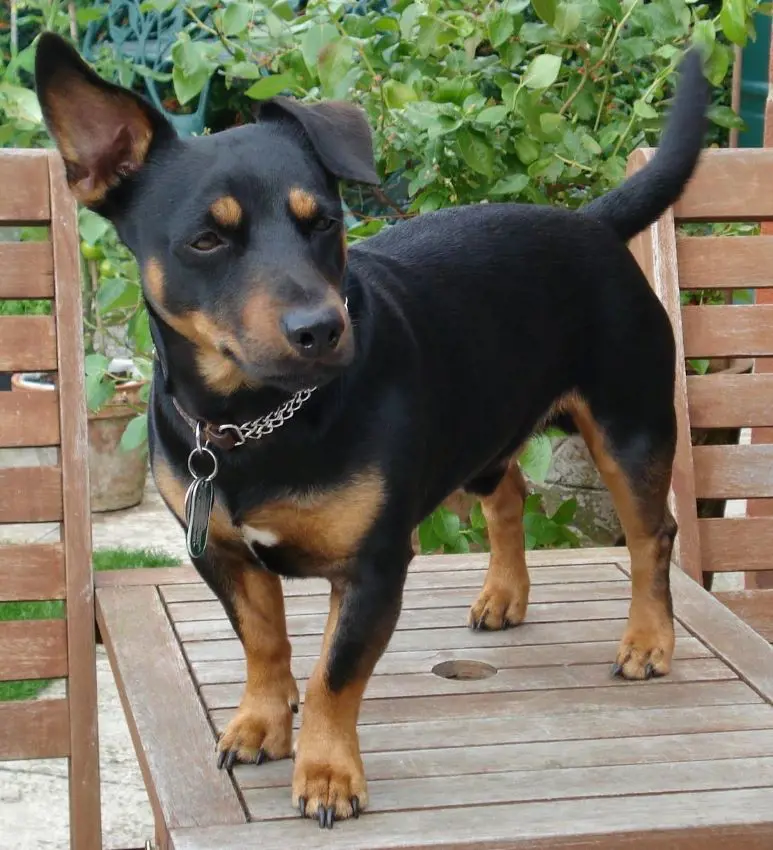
230, 436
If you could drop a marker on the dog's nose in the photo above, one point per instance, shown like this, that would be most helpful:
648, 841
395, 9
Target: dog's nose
313, 332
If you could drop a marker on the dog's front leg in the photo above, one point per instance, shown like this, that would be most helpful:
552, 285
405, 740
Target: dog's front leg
329, 780
252, 596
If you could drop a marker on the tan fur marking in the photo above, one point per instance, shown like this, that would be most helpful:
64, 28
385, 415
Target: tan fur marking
649, 637
303, 205
505, 595
173, 490
328, 766
155, 284
329, 525
261, 318
264, 719
227, 212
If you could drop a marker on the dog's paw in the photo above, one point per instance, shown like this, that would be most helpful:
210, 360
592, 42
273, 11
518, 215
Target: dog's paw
644, 654
328, 781
262, 730
499, 607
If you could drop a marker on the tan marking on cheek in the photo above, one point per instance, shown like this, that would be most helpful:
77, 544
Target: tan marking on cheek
173, 490
261, 322
227, 212
303, 204
328, 525
155, 284
218, 372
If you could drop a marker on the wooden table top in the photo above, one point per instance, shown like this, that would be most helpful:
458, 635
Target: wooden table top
548, 750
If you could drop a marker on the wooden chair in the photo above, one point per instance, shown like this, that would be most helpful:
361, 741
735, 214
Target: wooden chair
729, 186
34, 192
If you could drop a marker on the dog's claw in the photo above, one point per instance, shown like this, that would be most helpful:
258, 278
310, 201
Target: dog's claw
302, 806
330, 817
260, 757
321, 816
617, 669
294, 707
355, 807
230, 759
649, 671
221, 759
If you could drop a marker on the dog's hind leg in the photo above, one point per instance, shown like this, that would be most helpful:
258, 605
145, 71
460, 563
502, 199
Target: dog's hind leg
505, 595
632, 443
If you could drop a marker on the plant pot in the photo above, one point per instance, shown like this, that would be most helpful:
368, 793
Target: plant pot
117, 477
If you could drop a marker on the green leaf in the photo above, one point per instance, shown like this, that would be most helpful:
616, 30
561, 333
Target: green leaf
135, 434
542, 71
512, 185
397, 94
187, 86
109, 292
270, 86
314, 40
546, 9
732, 19
700, 366
725, 117
245, 70
644, 110
92, 226
335, 60
96, 364
428, 540
719, 63
568, 18
21, 103
565, 512
476, 152
500, 27
704, 36
235, 18
536, 457
98, 391
477, 519
550, 122
527, 149
408, 19
492, 115
446, 525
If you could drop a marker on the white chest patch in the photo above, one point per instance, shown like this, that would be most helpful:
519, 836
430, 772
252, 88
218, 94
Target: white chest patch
261, 536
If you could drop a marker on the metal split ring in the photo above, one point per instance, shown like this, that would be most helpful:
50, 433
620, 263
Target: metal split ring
204, 451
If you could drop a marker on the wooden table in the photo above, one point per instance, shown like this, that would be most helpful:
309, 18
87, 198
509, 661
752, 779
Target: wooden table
547, 752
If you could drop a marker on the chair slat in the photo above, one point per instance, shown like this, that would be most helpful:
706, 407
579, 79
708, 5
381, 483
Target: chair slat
34, 729
29, 418
729, 185
733, 472
730, 401
24, 178
728, 331
736, 544
27, 344
725, 262
31, 494
26, 270
33, 649
31, 571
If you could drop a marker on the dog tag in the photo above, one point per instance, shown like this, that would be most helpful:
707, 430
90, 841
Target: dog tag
198, 510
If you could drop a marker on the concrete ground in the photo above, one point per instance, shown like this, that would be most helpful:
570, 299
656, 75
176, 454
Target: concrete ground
33, 795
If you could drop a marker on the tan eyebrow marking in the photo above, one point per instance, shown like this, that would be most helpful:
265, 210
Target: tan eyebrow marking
226, 211
303, 204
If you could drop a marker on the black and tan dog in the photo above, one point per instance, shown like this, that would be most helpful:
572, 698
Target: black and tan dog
436, 348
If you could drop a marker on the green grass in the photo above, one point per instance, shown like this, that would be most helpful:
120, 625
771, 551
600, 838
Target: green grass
104, 559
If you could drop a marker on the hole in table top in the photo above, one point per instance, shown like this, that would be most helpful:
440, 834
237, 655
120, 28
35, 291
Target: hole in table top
464, 670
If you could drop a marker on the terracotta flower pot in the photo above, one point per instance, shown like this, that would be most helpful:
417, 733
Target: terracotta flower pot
117, 477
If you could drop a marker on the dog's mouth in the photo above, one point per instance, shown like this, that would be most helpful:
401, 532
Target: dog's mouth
294, 381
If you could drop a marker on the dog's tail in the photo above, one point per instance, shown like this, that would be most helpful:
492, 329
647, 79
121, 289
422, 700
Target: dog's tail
646, 195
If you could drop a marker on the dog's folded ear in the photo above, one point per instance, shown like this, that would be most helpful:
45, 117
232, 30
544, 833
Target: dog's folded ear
103, 132
338, 131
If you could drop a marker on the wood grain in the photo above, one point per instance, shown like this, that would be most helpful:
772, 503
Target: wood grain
176, 748
733, 472
26, 270
24, 178
33, 649
34, 729
27, 344
85, 816
29, 419
733, 544
730, 401
31, 571
732, 331
725, 262
754, 607
31, 494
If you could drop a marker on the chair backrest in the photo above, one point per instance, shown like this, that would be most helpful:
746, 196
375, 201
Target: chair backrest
44, 479
729, 186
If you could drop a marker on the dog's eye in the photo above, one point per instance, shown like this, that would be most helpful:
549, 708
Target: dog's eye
207, 242
324, 223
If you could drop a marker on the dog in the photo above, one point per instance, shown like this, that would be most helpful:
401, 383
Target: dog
306, 411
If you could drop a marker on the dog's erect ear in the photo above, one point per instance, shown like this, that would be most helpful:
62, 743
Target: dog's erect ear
103, 132
339, 132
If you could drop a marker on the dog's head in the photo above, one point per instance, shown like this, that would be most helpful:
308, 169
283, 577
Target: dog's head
239, 235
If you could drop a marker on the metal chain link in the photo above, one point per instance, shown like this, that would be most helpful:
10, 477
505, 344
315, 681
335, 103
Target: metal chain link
256, 429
